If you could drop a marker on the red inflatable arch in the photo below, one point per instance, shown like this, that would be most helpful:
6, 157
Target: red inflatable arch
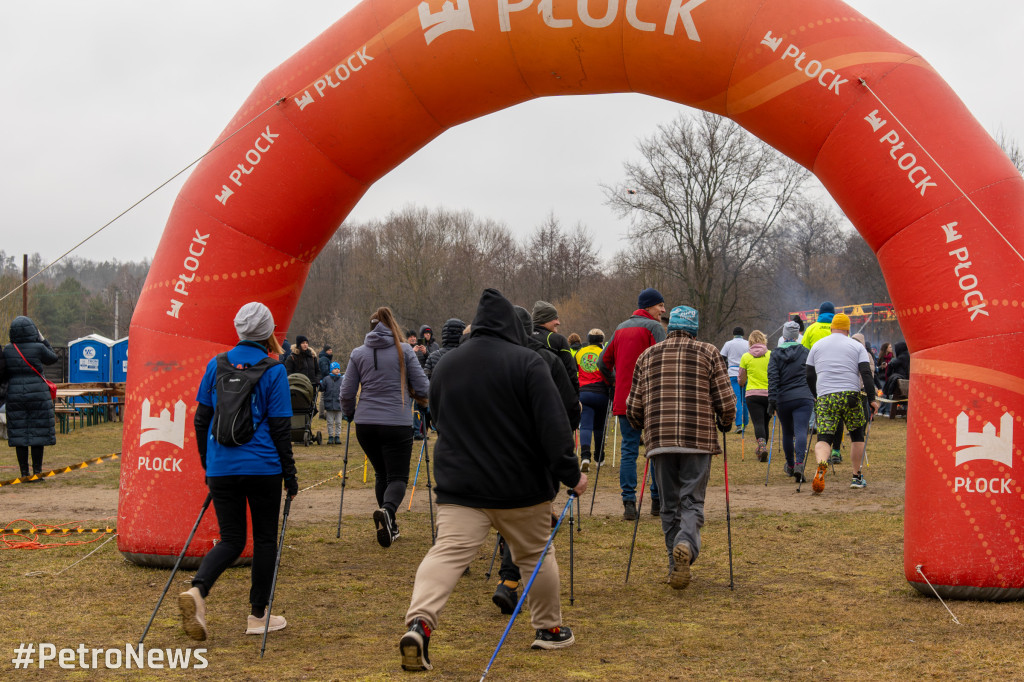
925, 185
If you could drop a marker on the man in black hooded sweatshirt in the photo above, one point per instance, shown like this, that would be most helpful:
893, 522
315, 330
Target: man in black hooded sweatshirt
506, 594
504, 444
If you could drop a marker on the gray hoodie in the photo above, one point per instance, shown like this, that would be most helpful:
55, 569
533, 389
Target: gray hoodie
374, 368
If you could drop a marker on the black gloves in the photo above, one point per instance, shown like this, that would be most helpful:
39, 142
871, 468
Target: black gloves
291, 484
347, 417
724, 428
771, 408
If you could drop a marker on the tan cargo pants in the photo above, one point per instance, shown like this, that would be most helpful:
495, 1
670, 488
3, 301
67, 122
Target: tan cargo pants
460, 533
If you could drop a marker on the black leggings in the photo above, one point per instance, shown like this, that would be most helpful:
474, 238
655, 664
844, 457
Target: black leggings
509, 570
758, 407
389, 449
230, 495
37, 458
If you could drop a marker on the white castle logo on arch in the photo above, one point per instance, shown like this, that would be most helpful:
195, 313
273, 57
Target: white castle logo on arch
972, 445
164, 427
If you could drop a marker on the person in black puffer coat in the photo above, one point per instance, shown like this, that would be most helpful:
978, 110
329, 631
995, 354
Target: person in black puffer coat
29, 406
899, 368
303, 361
451, 335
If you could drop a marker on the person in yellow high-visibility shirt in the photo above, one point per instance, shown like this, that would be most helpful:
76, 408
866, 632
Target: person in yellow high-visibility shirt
822, 327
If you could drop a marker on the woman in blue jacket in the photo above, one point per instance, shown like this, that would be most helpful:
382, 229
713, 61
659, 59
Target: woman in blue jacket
388, 378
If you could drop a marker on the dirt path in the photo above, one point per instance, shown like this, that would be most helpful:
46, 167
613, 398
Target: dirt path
46, 502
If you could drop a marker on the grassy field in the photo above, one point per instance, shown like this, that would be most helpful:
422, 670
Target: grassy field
819, 590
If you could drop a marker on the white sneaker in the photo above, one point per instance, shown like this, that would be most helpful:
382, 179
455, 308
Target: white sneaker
585, 466
255, 626
193, 614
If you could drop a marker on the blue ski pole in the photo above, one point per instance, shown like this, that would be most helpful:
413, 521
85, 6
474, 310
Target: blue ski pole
529, 584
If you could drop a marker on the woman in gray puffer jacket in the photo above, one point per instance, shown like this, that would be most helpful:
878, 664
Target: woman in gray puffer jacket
387, 377
29, 407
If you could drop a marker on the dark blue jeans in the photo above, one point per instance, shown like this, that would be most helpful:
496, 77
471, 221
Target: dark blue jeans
627, 468
592, 422
742, 416
794, 416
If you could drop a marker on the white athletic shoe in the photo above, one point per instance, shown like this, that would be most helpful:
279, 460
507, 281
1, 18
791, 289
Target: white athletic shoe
255, 626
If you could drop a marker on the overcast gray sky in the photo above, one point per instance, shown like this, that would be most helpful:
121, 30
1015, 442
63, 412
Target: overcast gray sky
106, 99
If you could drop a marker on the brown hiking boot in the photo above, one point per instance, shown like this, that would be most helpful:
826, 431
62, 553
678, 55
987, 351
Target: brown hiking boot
679, 576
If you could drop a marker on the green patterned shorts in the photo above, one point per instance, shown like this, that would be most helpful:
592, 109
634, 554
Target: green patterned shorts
844, 407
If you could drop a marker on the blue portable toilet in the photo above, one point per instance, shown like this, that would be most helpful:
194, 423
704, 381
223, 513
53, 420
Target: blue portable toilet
89, 359
119, 361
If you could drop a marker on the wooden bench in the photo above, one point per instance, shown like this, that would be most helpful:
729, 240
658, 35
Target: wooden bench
66, 417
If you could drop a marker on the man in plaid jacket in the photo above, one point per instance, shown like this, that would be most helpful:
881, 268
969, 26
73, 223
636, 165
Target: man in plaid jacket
679, 395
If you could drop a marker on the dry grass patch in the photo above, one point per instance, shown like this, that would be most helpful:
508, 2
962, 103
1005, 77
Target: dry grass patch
819, 592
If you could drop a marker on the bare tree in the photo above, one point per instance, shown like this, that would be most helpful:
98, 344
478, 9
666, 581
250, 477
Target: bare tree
1012, 149
713, 193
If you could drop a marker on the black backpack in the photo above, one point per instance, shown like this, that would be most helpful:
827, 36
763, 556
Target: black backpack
232, 416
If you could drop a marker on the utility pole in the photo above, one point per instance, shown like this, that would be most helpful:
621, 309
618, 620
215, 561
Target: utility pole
116, 326
24, 285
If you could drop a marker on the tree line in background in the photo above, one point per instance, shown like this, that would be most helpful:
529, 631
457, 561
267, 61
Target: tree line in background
74, 298
718, 220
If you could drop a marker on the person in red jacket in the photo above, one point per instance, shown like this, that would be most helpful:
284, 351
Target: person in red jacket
642, 330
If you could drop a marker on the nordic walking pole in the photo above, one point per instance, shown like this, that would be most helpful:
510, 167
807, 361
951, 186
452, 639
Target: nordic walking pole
572, 574
497, 542
277, 565
615, 437
771, 445
867, 432
636, 524
600, 465
209, 498
416, 478
743, 423
728, 516
430, 495
365, 460
344, 477
529, 584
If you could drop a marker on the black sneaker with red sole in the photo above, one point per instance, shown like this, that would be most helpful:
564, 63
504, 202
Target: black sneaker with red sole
553, 638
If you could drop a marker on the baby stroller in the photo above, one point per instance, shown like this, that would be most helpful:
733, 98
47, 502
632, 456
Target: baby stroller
303, 409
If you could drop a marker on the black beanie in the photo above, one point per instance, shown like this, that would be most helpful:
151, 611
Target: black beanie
649, 297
